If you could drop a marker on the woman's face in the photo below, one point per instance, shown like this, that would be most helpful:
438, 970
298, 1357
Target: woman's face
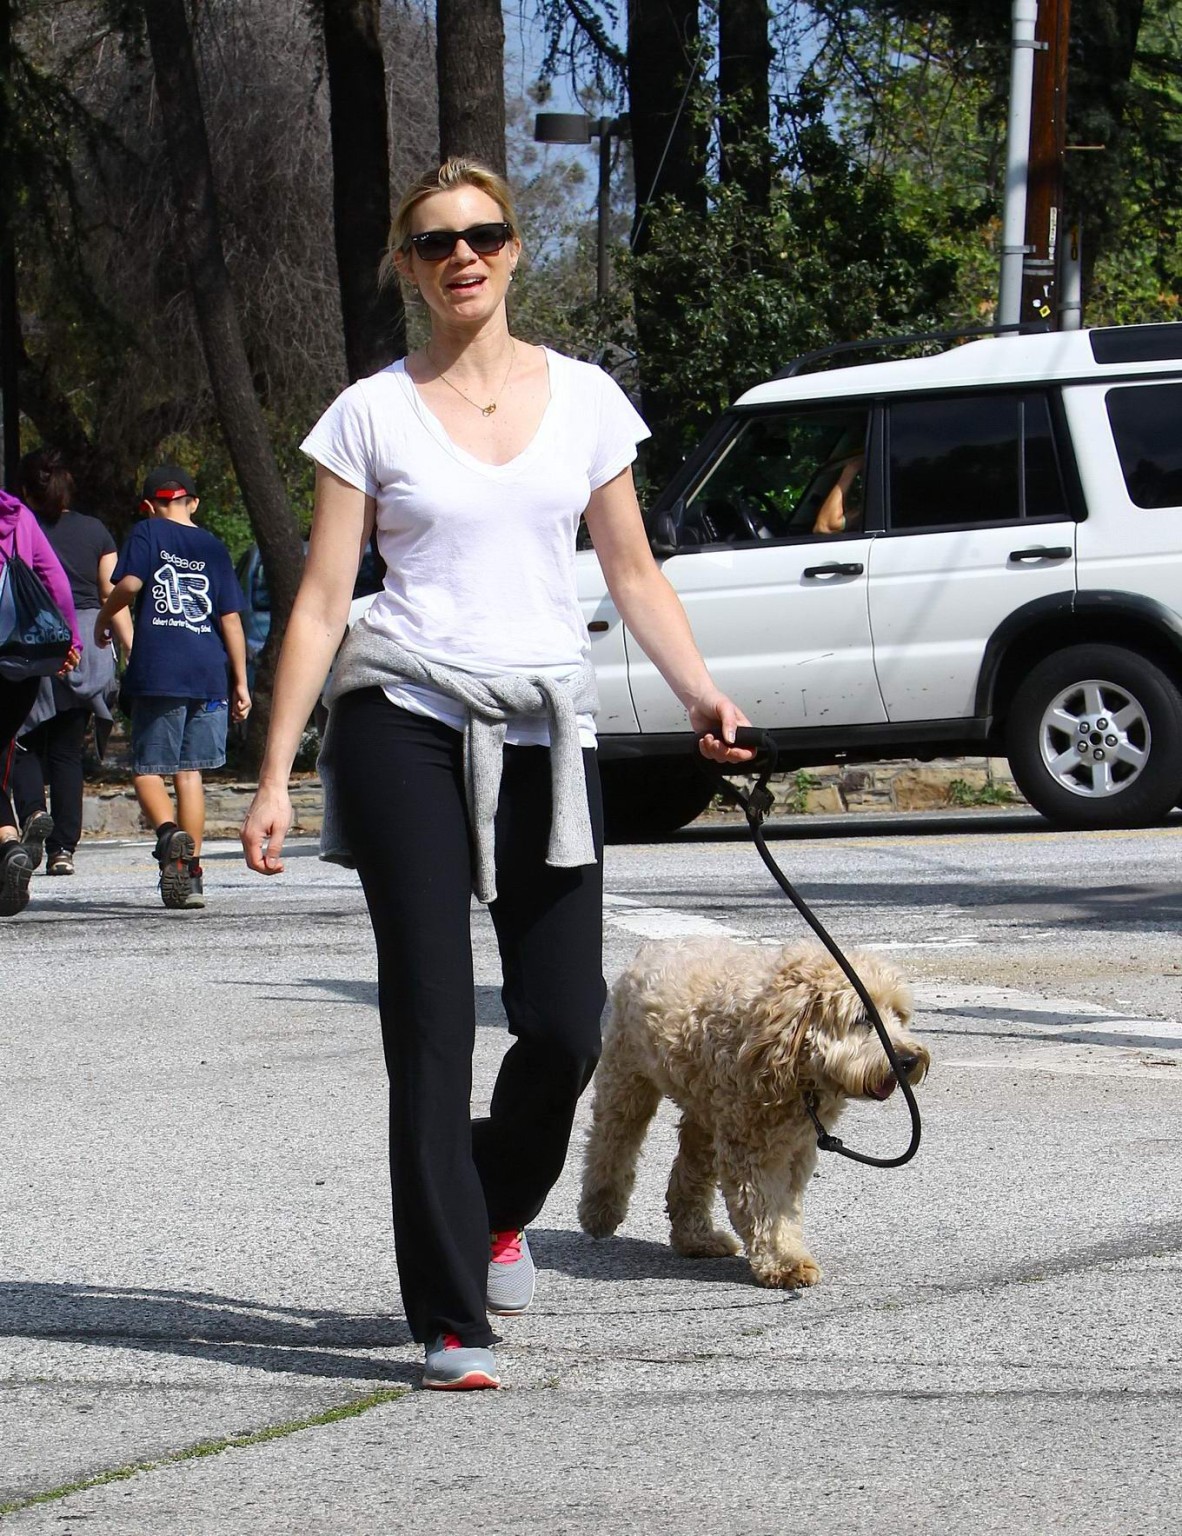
464, 288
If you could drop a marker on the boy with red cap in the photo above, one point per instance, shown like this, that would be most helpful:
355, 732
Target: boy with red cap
188, 635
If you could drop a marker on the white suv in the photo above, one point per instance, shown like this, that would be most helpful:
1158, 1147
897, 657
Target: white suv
1002, 574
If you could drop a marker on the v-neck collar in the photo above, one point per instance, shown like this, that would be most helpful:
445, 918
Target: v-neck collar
441, 435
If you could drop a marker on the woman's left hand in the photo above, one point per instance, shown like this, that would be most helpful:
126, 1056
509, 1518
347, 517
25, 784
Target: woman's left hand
73, 657
715, 720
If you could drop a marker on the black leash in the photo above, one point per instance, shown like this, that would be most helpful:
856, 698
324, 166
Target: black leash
755, 803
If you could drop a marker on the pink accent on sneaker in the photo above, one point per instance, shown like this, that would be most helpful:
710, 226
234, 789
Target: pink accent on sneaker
506, 1247
452, 1341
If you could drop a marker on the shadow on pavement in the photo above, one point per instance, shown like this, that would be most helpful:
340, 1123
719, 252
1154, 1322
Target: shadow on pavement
201, 1325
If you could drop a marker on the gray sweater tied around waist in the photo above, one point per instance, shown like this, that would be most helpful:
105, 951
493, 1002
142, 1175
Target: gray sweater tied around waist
370, 660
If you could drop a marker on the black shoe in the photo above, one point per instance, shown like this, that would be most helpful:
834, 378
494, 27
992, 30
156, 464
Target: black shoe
60, 863
16, 870
36, 829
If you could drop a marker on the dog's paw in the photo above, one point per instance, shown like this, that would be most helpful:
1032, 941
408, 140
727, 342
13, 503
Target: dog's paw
598, 1216
705, 1245
787, 1274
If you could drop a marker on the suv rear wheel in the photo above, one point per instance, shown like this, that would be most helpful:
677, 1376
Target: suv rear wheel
647, 797
1094, 738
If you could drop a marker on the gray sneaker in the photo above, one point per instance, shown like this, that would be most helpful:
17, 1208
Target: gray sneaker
16, 870
174, 851
454, 1367
36, 829
511, 1274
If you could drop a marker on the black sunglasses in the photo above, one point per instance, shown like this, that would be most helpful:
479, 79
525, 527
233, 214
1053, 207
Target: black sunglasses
483, 239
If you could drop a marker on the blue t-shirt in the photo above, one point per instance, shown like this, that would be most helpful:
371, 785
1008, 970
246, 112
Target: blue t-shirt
189, 583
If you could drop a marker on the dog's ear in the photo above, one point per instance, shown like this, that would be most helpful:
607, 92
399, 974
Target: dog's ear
778, 1023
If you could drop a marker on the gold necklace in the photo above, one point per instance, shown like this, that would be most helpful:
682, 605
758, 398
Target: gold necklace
485, 410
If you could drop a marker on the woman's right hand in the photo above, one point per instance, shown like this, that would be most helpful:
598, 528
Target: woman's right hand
266, 825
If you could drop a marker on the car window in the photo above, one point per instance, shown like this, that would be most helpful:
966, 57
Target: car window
1145, 429
972, 459
791, 474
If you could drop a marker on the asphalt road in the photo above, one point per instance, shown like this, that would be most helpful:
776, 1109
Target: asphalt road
197, 1291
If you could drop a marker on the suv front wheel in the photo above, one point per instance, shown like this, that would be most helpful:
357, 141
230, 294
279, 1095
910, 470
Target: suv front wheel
1094, 738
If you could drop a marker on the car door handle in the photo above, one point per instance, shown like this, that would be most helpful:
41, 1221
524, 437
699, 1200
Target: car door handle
835, 568
1059, 552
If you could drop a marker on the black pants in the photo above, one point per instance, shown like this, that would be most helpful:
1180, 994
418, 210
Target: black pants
16, 700
402, 797
53, 755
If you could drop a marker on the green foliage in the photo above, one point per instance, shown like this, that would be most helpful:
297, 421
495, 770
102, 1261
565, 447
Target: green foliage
965, 795
741, 291
799, 787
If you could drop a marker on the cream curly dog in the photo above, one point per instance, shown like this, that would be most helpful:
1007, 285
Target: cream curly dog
736, 1036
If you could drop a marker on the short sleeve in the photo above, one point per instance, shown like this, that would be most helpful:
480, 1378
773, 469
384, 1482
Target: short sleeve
621, 428
342, 440
136, 558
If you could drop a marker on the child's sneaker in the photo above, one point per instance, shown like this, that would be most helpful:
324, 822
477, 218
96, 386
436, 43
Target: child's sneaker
454, 1367
174, 854
33, 834
511, 1274
16, 870
196, 896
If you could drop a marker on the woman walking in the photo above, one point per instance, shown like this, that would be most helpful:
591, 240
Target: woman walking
460, 747
52, 740
20, 534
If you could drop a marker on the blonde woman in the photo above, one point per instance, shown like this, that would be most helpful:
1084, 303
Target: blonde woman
460, 750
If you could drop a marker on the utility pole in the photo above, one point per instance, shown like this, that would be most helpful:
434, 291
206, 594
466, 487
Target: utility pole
1024, 18
1046, 223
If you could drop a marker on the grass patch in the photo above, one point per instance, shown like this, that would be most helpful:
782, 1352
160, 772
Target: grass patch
210, 1448
800, 785
965, 795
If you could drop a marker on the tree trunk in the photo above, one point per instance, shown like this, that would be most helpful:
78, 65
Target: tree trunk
744, 59
470, 66
669, 161
374, 318
239, 412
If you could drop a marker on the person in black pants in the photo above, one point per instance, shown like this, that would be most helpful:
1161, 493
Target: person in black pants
53, 737
21, 536
459, 751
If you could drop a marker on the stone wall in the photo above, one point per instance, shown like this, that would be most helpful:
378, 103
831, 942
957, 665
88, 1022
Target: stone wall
110, 810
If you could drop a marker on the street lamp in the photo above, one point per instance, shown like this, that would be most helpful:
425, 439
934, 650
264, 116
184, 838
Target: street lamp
578, 128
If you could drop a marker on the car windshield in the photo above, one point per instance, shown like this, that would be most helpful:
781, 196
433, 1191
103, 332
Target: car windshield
775, 475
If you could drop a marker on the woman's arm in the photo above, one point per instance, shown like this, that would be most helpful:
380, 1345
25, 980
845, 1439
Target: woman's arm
341, 526
121, 621
653, 613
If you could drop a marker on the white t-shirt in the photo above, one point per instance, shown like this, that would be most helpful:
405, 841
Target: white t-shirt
480, 558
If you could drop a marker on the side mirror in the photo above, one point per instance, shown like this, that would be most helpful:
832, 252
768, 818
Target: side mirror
663, 535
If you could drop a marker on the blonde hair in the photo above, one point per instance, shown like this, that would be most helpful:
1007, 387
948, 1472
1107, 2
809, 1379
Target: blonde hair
454, 172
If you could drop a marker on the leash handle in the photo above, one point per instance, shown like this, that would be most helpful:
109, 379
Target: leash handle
755, 803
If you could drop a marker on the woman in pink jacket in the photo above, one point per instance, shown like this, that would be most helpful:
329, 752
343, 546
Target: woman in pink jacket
21, 534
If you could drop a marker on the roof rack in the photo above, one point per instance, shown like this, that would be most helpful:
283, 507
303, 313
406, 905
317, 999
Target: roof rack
801, 364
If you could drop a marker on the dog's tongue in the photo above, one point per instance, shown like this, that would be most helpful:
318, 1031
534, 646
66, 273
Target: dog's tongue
884, 1090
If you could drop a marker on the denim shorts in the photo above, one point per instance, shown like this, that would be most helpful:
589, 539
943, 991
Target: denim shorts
177, 735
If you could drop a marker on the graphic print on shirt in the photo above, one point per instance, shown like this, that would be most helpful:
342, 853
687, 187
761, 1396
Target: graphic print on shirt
180, 594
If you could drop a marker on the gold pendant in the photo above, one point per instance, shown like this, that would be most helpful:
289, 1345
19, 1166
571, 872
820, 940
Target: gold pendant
488, 409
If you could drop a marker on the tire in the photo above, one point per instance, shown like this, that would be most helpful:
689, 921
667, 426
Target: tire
1094, 738
650, 797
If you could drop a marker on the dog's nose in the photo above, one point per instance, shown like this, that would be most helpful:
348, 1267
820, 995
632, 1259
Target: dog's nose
909, 1063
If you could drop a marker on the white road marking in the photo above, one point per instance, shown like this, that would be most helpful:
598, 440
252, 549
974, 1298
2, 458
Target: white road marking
661, 922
